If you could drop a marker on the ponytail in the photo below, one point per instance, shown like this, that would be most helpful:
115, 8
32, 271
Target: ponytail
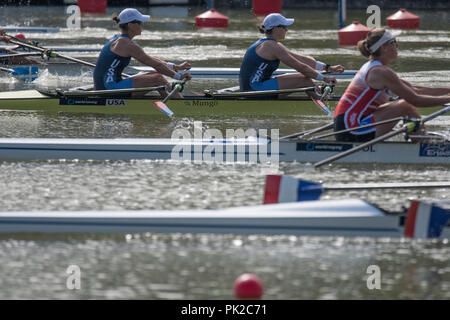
123, 26
362, 46
372, 37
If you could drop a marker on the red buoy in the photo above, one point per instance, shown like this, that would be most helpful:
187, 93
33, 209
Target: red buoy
93, 6
211, 19
351, 34
248, 286
403, 19
265, 7
20, 36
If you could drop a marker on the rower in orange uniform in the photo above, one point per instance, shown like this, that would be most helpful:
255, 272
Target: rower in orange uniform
366, 99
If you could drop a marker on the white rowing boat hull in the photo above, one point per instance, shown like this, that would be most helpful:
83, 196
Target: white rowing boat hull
229, 150
347, 218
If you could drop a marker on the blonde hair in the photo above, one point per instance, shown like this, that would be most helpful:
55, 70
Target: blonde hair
372, 37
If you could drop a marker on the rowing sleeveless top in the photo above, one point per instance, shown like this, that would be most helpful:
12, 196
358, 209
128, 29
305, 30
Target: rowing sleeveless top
359, 100
255, 69
109, 65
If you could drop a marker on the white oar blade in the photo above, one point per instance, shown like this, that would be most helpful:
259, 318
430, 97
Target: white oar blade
281, 188
163, 107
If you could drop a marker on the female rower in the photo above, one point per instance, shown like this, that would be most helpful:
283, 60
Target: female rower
366, 99
263, 58
117, 53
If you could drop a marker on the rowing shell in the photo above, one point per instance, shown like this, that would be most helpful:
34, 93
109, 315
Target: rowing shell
250, 150
347, 218
199, 105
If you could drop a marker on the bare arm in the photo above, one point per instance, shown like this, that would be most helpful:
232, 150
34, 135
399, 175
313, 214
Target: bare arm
285, 56
126, 48
304, 59
384, 77
311, 62
432, 91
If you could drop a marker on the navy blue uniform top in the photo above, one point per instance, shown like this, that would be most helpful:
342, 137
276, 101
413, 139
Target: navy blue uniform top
109, 65
254, 68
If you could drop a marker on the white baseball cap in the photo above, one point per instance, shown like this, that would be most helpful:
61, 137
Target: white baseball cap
129, 14
276, 19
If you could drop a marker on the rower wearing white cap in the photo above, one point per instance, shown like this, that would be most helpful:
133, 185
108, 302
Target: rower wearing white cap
263, 58
366, 99
119, 50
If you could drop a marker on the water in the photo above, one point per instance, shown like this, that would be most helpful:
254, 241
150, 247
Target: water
174, 266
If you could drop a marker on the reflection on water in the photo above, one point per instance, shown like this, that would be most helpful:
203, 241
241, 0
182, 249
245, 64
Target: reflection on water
155, 266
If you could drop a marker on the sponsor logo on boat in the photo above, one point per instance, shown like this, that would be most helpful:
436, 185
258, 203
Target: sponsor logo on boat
202, 103
92, 102
115, 102
330, 147
434, 150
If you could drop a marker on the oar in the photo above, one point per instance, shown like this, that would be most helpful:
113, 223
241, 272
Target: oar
360, 127
15, 55
406, 128
25, 73
162, 104
52, 54
308, 132
280, 188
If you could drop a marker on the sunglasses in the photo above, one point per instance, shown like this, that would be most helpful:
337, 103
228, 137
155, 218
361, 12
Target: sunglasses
136, 21
393, 41
284, 27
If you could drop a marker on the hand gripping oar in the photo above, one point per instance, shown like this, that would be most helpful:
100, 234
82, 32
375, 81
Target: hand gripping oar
51, 53
406, 128
162, 104
319, 102
281, 188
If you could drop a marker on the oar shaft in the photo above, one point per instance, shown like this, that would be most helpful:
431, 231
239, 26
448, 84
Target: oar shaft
54, 54
360, 147
437, 113
15, 55
6, 70
405, 185
308, 132
360, 127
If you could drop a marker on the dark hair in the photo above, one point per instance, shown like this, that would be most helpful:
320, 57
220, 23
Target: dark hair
372, 37
263, 30
123, 26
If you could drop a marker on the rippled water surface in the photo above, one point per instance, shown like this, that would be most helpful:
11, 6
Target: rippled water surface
174, 266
